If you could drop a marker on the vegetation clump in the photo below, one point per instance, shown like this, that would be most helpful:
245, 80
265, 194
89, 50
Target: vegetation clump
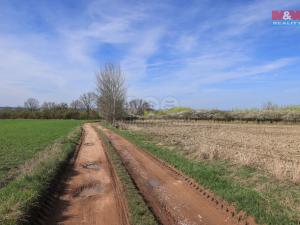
290, 114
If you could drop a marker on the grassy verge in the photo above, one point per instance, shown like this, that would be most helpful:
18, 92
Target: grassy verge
23, 193
139, 213
215, 175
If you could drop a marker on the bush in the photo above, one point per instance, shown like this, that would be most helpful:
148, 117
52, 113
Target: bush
22, 113
285, 114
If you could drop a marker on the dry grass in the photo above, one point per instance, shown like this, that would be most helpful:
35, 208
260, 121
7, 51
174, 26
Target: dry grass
274, 148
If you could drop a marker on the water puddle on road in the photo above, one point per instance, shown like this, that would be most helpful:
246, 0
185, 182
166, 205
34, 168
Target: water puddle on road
88, 144
154, 183
91, 165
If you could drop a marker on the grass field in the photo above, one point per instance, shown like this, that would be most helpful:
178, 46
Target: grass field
32, 151
270, 200
22, 139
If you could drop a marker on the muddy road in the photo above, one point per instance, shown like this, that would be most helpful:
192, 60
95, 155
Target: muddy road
174, 198
92, 193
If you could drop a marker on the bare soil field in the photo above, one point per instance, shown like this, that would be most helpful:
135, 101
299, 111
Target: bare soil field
174, 198
271, 147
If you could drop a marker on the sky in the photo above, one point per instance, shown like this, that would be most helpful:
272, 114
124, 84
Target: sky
200, 54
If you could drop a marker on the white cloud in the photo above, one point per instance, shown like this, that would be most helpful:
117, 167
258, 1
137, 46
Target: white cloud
159, 53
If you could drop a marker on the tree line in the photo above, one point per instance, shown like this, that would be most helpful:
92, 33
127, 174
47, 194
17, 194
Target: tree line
107, 102
82, 108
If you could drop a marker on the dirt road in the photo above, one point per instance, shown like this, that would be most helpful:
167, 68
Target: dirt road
92, 193
174, 198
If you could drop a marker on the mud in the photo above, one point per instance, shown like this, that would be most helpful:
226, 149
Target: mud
173, 197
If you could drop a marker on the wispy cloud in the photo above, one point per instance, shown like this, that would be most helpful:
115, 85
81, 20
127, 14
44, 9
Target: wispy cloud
165, 48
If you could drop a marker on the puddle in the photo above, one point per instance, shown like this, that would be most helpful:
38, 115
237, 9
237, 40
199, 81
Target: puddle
88, 144
154, 183
91, 165
88, 190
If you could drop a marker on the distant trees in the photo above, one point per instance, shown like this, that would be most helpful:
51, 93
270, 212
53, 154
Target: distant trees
88, 101
51, 110
31, 104
48, 105
138, 107
111, 92
269, 106
76, 105
48, 109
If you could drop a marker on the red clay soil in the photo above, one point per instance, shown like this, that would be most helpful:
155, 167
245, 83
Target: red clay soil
174, 198
92, 194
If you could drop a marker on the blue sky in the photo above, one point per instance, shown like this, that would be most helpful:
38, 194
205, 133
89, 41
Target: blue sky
202, 54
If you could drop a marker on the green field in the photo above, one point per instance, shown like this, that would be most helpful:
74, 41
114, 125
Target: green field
22, 139
31, 153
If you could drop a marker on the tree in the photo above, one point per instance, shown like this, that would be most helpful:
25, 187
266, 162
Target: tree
88, 101
31, 104
269, 106
138, 106
62, 106
76, 105
48, 110
111, 92
48, 105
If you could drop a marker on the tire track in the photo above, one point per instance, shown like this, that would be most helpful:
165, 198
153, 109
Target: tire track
174, 198
91, 193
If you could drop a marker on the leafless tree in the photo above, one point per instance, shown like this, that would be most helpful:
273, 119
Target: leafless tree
269, 106
138, 106
111, 92
62, 106
31, 104
49, 105
88, 100
77, 105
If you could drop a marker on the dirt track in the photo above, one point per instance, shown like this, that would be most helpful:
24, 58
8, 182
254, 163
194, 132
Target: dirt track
92, 193
174, 198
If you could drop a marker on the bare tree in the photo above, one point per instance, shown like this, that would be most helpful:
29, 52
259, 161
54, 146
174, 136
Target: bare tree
49, 105
111, 92
269, 106
62, 106
77, 105
138, 106
31, 104
88, 100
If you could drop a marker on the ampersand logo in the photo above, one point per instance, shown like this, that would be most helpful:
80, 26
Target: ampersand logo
286, 18
286, 15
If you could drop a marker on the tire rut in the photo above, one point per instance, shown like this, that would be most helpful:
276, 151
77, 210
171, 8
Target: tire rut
174, 197
89, 192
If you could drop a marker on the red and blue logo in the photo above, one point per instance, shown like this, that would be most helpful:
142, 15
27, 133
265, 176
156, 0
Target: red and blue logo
286, 17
